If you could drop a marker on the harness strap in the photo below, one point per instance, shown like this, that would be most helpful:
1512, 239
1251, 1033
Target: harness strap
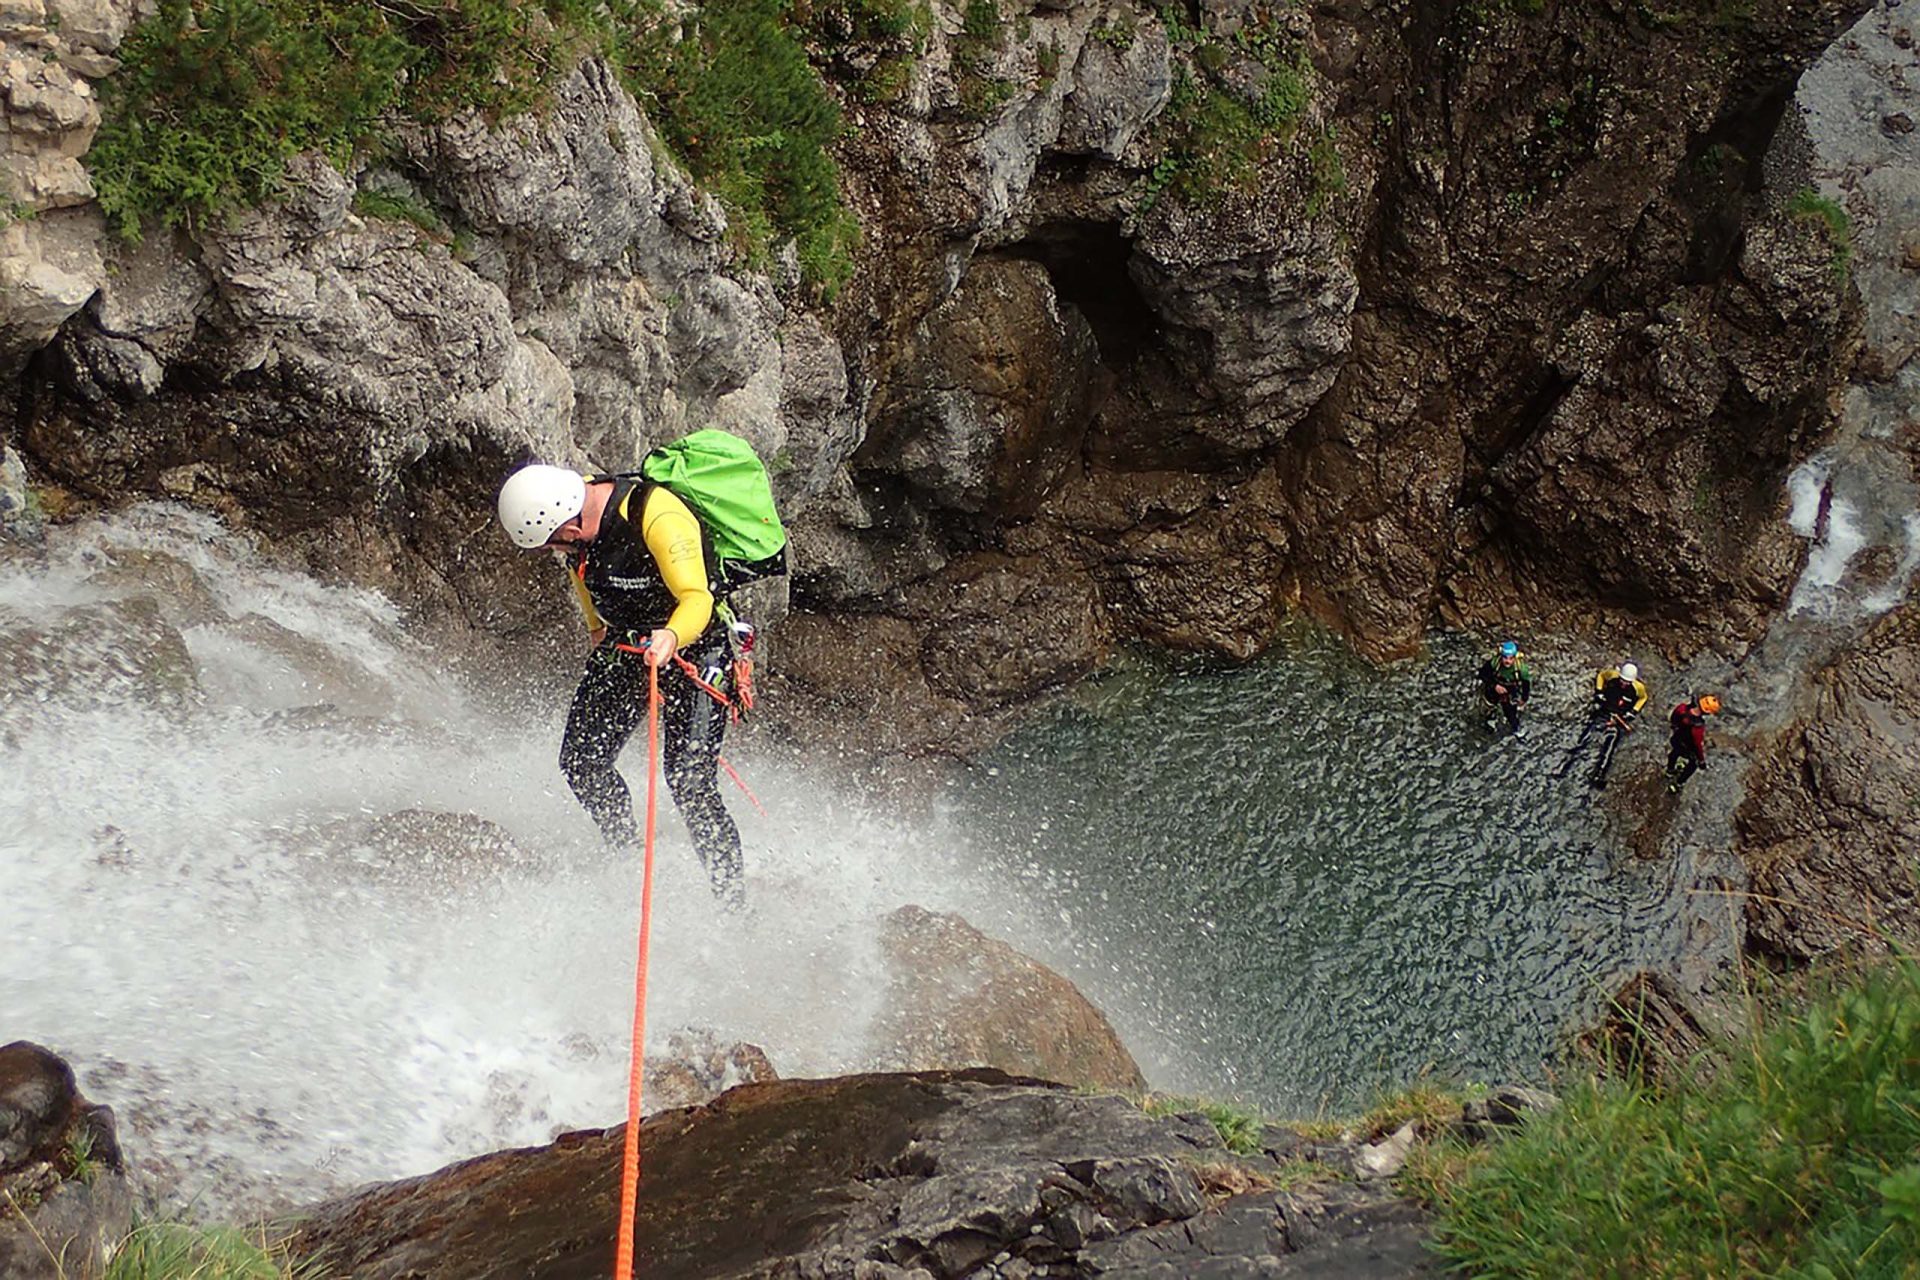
692, 673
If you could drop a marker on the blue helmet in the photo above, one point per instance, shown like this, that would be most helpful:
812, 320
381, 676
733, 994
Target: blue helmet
1509, 650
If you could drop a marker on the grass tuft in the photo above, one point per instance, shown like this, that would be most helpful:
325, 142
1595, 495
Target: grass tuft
181, 1251
1239, 1129
1798, 1156
1808, 205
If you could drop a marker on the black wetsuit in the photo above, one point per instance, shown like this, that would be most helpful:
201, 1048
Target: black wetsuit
628, 591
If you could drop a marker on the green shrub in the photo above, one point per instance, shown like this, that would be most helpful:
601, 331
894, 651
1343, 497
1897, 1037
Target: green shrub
739, 102
1213, 140
982, 22
1799, 1156
395, 206
982, 33
215, 96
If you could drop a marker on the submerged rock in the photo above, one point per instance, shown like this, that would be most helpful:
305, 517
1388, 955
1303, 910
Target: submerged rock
415, 848
958, 998
97, 655
20, 517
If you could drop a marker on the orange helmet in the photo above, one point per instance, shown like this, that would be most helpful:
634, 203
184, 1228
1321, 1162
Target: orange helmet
1710, 704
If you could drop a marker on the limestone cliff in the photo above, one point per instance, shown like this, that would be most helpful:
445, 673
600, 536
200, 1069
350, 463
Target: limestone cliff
1499, 305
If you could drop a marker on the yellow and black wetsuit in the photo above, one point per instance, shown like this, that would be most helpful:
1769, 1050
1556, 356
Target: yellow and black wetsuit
1614, 695
650, 566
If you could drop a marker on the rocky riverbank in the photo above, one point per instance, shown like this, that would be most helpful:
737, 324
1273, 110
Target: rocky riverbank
921, 1176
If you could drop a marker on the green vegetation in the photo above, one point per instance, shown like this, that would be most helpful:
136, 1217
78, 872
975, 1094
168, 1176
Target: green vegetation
1808, 205
80, 1163
177, 1251
1118, 35
884, 36
1425, 1103
214, 97
983, 33
1327, 170
1239, 1129
1237, 100
397, 206
1047, 61
736, 97
1794, 1153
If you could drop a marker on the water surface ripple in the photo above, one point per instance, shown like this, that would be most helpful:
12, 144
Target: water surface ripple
1304, 879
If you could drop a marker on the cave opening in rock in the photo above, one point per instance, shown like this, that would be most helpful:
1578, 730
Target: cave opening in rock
1087, 262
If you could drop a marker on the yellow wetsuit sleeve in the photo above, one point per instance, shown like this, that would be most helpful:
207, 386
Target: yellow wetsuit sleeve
594, 622
1601, 677
672, 534
1639, 696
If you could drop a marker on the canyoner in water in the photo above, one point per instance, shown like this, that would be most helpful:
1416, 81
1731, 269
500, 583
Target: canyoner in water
652, 556
1687, 751
1618, 696
1506, 683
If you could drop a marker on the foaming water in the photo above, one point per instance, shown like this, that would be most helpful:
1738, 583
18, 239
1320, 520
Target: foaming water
1300, 880
276, 1016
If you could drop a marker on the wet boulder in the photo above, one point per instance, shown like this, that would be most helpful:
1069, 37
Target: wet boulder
110, 653
1830, 825
20, 516
414, 848
64, 1200
958, 998
886, 1177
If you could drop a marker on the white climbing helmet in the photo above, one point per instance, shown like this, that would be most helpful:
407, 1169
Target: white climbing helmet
538, 499
1629, 672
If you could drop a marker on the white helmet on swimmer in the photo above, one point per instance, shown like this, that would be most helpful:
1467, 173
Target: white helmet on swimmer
538, 499
1629, 672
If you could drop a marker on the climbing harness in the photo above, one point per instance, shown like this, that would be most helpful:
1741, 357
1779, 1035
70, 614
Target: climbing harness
736, 706
630, 1159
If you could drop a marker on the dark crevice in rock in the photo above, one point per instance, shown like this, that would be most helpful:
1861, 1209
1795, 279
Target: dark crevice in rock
1533, 415
1088, 265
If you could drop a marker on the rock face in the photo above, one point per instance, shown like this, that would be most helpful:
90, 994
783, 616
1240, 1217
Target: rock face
957, 998
64, 1201
50, 258
1831, 826
354, 390
1511, 308
897, 1177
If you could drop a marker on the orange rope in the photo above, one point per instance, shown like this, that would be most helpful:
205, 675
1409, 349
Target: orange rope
630, 1165
693, 673
741, 783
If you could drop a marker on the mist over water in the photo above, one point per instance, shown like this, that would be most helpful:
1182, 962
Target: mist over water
1285, 883
276, 1010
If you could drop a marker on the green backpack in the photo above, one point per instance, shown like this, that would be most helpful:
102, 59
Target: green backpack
720, 476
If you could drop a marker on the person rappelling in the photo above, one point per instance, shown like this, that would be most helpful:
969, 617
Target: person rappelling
1618, 696
1507, 684
1687, 751
651, 577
